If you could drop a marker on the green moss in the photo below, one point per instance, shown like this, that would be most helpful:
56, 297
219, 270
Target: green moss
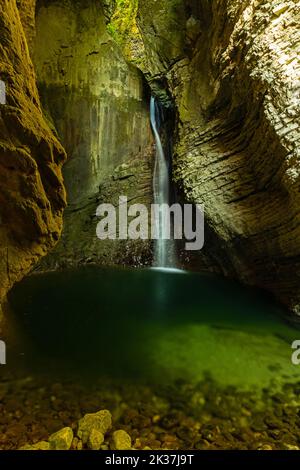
112, 30
124, 30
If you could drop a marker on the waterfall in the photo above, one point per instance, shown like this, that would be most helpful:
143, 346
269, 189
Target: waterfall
164, 249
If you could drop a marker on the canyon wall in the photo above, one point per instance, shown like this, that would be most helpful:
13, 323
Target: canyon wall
98, 104
32, 195
232, 70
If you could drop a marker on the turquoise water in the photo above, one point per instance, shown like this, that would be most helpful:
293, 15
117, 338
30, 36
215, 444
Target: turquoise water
151, 326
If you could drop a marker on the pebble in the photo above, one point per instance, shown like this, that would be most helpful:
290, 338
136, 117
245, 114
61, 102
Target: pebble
121, 440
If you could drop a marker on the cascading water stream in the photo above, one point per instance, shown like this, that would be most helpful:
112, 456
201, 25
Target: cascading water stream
164, 249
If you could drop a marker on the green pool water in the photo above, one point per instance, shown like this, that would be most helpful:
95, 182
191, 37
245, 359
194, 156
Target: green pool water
151, 326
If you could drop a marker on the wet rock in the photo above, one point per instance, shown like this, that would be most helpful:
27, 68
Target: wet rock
127, 166
290, 447
42, 445
272, 423
189, 426
169, 421
31, 191
265, 447
61, 440
239, 46
100, 421
155, 444
95, 440
184, 433
121, 440
202, 444
74, 443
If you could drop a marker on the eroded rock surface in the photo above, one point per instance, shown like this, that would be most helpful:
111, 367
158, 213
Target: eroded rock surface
99, 105
232, 70
32, 195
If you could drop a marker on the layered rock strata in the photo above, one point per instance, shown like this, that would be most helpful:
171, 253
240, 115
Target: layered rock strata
32, 195
232, 69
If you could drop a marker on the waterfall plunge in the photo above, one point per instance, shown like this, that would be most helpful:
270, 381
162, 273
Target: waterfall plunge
164, 249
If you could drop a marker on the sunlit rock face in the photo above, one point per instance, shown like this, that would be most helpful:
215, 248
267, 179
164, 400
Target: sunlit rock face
32, 195
232, 70
98, 104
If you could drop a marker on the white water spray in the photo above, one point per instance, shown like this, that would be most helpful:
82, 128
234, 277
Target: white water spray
164, 249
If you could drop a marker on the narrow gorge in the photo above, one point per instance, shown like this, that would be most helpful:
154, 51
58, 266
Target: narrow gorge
113, 104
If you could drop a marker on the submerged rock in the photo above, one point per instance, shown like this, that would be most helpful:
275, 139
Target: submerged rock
100, 422
290, 446
265, 447
61, 440
121, 440
187, 426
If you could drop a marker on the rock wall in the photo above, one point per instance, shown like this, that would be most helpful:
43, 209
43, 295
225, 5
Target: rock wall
32, 196
98, 104
232, 70
27, 15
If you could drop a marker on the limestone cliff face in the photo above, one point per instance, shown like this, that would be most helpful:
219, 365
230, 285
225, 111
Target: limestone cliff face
232, 70
32, 195
99, 106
